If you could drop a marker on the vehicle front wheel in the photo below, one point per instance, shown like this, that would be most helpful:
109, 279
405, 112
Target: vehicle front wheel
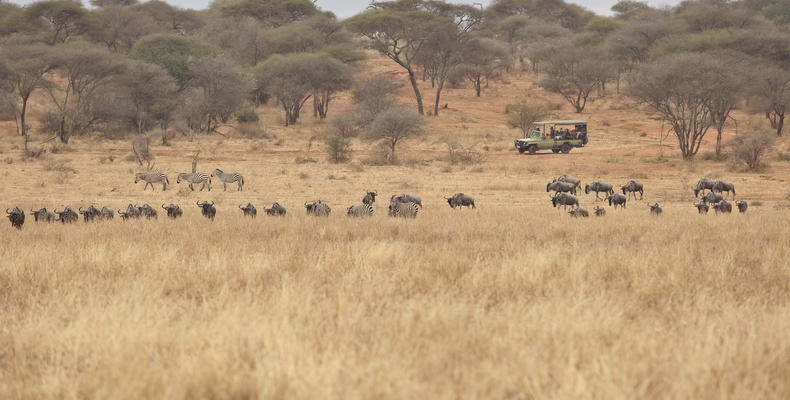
555, 151
532, 149
521, 150
566, 148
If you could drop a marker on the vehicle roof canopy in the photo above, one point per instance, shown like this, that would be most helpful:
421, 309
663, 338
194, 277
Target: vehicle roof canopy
561, 122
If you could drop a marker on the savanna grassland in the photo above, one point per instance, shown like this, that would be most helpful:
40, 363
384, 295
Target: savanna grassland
512, 300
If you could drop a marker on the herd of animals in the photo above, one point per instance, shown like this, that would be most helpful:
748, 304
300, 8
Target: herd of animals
565, 189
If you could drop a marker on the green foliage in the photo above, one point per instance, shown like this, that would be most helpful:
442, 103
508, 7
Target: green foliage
338, 148
247, 115
343, 53
271, 12
707, 40
603, 25
66, 19
174, 53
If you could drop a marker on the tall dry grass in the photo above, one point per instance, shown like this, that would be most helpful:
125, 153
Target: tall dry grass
495, 303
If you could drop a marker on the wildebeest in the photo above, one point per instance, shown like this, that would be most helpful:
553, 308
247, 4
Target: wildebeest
617, 199
207, 209
106, 213
633, 187
578, 212
43, 215
370, 197
712, 198
600, 211
722, 207
564, 200
249, 210
702, 207
598, 187
276, 210
702, 185
147, 211
132, 212
318, 209
16, 216
560, 187
90, 214
402, 209
742, 205
460, 200
173, 210
655, 209
67, 216
721, 187
362, 210
575, 181
407, 198
151, 178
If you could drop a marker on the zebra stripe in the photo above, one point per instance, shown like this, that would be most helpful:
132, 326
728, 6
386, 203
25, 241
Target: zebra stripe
195, 177
151, 178
228, 178
364, 210
403, 210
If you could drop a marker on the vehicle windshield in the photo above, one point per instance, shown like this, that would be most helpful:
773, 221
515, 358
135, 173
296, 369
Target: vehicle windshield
535, 134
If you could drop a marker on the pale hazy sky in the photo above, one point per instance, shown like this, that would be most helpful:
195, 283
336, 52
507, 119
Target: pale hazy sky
347, 8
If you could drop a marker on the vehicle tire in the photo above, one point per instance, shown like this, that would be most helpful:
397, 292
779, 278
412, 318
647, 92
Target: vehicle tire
532, 149
555, 151
566, 148
521, 150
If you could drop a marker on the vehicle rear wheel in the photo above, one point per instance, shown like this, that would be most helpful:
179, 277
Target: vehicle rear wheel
532, 149
555, 151
566, 148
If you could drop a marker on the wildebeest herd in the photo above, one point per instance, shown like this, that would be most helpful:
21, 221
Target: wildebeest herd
565, 189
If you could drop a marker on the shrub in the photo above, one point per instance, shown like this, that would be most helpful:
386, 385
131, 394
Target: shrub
749, 150
247, 115
338, 149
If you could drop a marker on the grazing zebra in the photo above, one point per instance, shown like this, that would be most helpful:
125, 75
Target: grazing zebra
151, 178
228, 178
195, 177
318, 209
364, 210
403, 210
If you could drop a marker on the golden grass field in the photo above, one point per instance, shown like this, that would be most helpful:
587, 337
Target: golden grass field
512, 300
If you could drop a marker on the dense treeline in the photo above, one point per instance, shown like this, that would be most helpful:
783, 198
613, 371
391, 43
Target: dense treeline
126, 66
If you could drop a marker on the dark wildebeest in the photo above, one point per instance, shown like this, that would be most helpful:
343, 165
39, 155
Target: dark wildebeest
703, 185
600, 211
460, 200
575, 181
598, 187
702, 207
363, 210
16, 216
407, 198
742, 206
276, 210
655, 209
147, 211
564, 200
207, 209
712, 198
723, 206
67, 216
370, 198
579, 212
106, 214
173, 211
43, 215
560, 187
633, 187
617, 199
721, 187
318, 209
132, 212
249, 210
90, 214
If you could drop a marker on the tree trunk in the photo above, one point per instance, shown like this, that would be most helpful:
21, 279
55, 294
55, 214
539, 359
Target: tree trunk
780, 123
442, 78
478, 84
416, 88
194, 161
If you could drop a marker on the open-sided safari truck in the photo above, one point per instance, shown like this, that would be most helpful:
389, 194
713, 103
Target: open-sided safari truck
557, 136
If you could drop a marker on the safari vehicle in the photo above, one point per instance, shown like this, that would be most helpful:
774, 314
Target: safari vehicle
557, 136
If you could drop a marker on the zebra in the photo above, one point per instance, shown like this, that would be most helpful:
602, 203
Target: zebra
195, 177
403, 210
228, 178
151, 178
318, 209
363, 210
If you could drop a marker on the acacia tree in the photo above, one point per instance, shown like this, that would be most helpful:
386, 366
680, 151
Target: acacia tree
399, 32
284, 78
678, 89
66, 19
574, 77
523, 114
328, 76
770, 88
393, 126
731, 76
481, 58
147, 87
222, 89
